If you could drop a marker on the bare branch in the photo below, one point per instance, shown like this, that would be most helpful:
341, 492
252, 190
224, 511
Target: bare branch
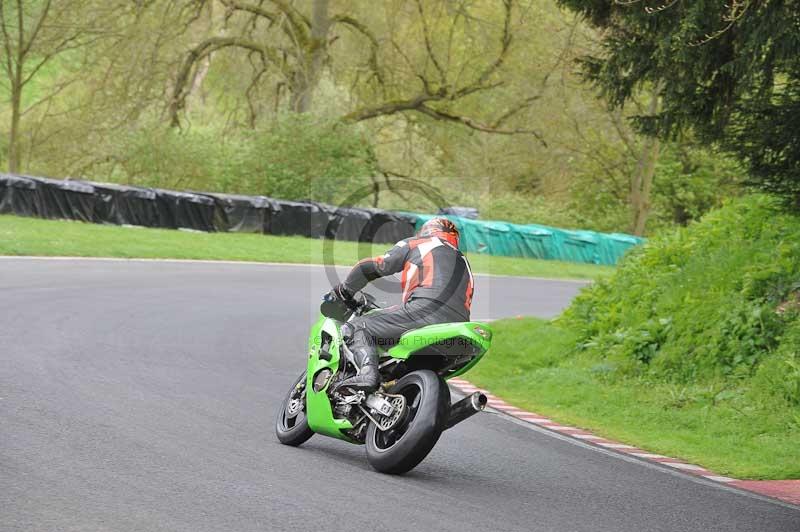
524, 104
387, 175
9, 63
20, 33
527, 102
390, 108
505, 44
63, 46
420, 103
473, 124
43, 15
410, 65
450, 38
429, 46
299, 24
611, 168
472, 89
248, 93
206, 47
616, 120
55, 92
366, 32
404, 178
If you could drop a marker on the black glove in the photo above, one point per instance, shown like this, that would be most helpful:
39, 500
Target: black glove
341, 292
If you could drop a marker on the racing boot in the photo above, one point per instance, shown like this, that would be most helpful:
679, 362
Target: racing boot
368, 377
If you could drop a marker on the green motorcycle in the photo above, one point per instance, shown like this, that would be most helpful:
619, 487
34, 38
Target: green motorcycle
400, 422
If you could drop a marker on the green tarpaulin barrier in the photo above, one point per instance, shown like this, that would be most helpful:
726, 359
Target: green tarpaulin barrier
616, 244
493, 237
581, 246
536, 241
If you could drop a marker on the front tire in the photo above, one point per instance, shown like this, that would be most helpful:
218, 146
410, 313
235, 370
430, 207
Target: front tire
401, 449
291, 424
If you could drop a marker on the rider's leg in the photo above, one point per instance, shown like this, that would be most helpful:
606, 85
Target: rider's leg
383, 328
364, 335
365, 354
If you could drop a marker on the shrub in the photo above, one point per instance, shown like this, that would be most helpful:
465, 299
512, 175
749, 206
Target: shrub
700, 302
300, 157
296, 157
778, 377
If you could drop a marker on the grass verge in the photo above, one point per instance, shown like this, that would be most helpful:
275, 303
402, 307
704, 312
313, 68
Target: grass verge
533, 364
31, 236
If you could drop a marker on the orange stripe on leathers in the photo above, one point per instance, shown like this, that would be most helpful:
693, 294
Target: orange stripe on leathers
409, 283
427, 269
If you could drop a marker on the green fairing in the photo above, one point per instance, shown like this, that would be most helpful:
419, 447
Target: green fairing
318, 406
413, 341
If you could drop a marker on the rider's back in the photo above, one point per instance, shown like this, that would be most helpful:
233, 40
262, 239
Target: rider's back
434, 269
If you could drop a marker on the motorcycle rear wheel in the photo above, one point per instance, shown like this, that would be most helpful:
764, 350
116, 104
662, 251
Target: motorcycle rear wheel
291, 423
402, 448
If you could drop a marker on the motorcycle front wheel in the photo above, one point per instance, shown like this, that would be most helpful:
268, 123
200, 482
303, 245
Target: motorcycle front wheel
291, 424
402, 448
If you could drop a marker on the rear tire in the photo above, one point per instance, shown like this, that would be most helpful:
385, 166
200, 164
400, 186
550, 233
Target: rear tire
291, 424
400, 450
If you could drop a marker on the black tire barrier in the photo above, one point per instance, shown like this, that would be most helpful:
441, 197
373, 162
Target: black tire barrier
18, 195
109, 203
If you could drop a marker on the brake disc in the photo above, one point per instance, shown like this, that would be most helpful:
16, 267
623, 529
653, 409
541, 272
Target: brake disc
399, 405
296, 401
295, 406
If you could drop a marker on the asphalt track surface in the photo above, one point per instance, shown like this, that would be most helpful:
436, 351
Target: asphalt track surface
140, 396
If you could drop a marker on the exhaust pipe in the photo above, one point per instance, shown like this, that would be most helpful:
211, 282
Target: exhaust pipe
467, 407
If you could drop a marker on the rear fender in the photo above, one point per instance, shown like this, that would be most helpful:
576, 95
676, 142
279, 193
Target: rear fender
479, 335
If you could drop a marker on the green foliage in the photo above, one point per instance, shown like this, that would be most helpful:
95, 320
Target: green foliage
690, 181
698, 302
168, 159
778, 377
101, 113
729, 426
525, 209
730, 71
297, 157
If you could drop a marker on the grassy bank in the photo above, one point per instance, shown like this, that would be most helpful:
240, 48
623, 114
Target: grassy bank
31, 236
534, 364
691, 348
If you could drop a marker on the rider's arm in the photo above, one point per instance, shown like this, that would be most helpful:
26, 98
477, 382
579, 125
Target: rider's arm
370, 269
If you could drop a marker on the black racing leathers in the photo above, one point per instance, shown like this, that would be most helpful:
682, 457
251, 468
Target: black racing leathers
437, 287
432, 269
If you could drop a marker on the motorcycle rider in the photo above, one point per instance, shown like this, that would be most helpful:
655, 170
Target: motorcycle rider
437, 287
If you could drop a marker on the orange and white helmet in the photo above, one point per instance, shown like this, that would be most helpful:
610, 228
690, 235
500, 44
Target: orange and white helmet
441, 228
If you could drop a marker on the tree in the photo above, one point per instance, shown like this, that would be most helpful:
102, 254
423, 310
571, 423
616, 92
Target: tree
35, 34
729, 70
83, 105
620, 166
462, 53
641, 180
